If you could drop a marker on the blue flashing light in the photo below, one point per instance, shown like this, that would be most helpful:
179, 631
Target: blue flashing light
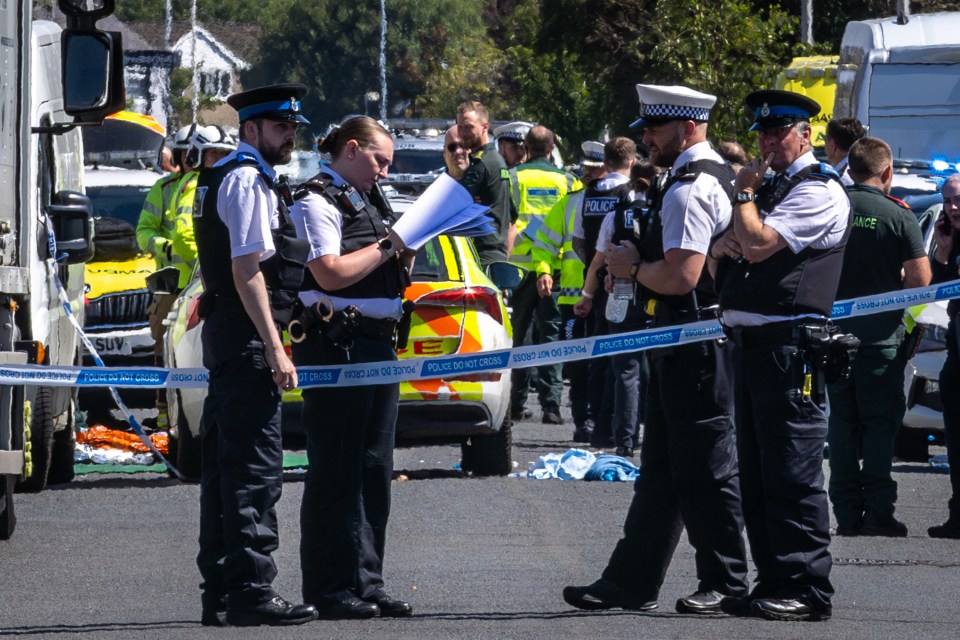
940, 165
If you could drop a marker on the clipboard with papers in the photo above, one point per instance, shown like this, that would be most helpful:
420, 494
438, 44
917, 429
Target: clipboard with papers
445, 208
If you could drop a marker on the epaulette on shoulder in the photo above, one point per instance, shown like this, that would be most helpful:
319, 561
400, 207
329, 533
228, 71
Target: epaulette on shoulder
897, 200
321, 184
824, 172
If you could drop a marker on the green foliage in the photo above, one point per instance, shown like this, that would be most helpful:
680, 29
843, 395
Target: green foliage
181, 98
728, 51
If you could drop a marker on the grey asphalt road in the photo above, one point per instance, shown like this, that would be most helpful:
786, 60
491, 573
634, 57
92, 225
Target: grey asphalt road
112, 557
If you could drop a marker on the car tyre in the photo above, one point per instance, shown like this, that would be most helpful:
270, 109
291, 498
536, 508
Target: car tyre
41, 442
491, 455
8, 518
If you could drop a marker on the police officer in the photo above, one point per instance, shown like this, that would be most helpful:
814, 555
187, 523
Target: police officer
885, 253
243, 232
840, 136
945, 264
539, 185
357, 280
510, 142
780, 270
688, 460
488, 181
606, 198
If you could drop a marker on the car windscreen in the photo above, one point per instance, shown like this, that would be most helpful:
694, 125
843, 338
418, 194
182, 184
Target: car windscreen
429, 265
416, 161
123, 202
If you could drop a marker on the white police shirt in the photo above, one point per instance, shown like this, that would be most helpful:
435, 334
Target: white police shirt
814, 214
248, 206
321, 224
694, 212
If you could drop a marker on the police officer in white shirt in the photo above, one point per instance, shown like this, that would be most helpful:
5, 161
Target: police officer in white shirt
688, 459
778, 275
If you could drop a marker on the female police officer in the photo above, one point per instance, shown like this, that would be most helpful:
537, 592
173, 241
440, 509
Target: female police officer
356, 275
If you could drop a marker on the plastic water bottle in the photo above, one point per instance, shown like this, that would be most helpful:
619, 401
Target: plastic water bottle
622, 289
616, 310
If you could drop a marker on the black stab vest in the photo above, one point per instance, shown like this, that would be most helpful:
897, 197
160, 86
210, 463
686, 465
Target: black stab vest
649, 235
786, 283
360, 229
282, 272
596, 205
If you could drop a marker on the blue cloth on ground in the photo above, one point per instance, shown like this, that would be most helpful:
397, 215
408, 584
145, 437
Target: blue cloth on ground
577, 464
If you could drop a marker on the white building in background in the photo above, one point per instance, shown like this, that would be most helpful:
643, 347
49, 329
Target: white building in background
218, 67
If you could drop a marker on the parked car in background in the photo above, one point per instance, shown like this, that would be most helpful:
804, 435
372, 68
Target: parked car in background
458, 311
118, 176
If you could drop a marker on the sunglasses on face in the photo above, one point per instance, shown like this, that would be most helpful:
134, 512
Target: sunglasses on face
453, 146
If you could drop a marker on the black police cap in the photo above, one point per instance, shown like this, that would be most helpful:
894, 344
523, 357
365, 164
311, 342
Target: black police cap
777, 108
274, 102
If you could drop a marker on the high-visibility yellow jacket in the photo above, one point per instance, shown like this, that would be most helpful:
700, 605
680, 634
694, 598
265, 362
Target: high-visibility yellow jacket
553, 247
538, 186
162, 225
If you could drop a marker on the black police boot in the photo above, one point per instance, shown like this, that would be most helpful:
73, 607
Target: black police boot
349, 608
702, 602
390, 607
887, 526
273, 612
949, 529
604, 594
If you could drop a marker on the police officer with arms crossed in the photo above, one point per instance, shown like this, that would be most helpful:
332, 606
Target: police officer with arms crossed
243, 234
688, 460
354, 273
885, 253
780, 269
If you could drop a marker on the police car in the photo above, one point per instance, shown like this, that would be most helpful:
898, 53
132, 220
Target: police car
458, 311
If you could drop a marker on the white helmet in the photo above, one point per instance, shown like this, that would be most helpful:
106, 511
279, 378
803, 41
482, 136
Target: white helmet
208, 137
181, 141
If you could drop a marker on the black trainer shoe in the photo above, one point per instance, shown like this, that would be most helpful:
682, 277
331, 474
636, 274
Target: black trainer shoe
789, 610
702, 602
214, 618
273, 612
551, 416
890, 527
624, 452
949, 529
604, 594
582, 434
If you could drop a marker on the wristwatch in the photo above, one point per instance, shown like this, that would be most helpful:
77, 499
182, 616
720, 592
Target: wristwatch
745, 196
634, 268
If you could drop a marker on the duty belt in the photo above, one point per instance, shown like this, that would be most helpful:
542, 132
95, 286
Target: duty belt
772, 333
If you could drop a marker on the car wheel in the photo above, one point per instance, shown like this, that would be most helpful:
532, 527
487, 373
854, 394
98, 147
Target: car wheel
8, 518
61, 460
41, 442
912, 445
491, 455
188, 447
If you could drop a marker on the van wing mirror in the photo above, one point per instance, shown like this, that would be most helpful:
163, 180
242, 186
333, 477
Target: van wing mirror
71, 215
92, 74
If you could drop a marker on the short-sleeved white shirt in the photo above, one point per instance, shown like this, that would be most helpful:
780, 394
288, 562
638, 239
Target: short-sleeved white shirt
321, 224
694, 212
248, 206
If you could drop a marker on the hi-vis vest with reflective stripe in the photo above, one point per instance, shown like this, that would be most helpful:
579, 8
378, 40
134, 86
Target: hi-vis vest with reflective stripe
554, 243
539, 185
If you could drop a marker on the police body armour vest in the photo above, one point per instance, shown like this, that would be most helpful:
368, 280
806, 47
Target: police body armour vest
786, 283
364, 224
596, 205
282, 272
649, 232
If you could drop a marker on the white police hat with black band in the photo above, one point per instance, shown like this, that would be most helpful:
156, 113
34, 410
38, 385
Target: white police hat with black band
592, 153
513, 131
660, 103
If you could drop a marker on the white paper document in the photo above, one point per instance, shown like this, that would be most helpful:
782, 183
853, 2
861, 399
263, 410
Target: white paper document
446, 207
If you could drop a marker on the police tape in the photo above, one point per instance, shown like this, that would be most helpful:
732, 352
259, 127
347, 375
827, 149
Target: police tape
453, 366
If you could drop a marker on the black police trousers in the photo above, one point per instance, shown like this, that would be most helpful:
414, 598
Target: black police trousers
949, 396
688, 476
346, 494
781, 434
242, 466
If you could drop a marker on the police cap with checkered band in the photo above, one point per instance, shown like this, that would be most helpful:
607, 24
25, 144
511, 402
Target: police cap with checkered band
661, 103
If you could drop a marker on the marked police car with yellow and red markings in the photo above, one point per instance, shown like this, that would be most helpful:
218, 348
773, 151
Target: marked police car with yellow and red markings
458, 310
